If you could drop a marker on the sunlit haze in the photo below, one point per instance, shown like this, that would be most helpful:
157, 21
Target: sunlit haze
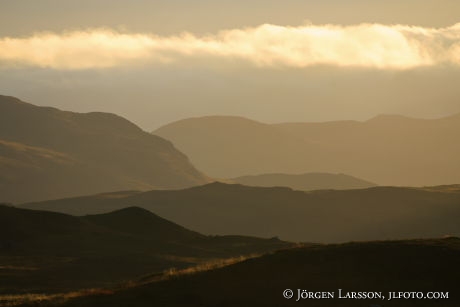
272, 61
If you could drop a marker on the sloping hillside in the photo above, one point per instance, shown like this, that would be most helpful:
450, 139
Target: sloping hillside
51, 252
46, 153
317, 216
228, 147
387, 150
383, 267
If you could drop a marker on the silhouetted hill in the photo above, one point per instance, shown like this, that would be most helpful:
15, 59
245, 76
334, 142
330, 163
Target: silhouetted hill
387, 266
47, 251
140, 222
317, 216
20, 225
305, 182
387, 150
46, 153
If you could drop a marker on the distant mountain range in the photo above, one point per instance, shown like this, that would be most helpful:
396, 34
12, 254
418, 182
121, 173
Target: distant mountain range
46, 153
318, 216
414, 266
46, 251
305, 182
387, 150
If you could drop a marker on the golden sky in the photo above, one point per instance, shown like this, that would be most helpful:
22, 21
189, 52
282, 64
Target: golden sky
364, 45
292, 60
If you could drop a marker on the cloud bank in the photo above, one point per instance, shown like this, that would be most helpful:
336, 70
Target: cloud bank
376, 46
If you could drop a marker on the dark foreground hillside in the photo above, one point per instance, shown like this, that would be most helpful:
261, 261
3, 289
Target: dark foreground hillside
391, 266
52, 252
378, 213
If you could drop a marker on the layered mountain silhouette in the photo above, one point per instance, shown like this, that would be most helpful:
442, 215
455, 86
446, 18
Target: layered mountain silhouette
46, 153
387, 266
305, 182
387, 150
47, 251
317, 216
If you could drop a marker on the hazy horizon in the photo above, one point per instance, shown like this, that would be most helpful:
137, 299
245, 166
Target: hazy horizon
272, 61
217, 152
274, 122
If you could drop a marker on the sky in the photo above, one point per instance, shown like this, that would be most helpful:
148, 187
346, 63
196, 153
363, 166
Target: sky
154, 62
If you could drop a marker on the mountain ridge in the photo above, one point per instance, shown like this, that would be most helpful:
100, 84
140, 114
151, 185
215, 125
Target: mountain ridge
375, 213
387, 149
305, 181
104, 152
